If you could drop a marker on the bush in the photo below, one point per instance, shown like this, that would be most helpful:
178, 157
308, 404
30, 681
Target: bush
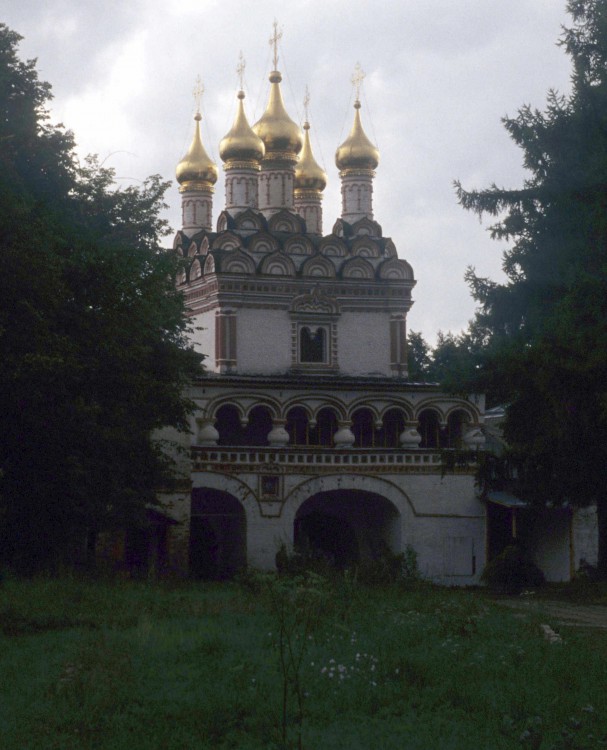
389, 567
512, 571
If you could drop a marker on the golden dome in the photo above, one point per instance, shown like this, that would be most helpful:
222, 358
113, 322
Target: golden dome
308, 175
275, 128
196, 167
241, 143
357, 151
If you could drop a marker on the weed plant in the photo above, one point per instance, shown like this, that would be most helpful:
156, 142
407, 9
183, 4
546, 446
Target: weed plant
132, 665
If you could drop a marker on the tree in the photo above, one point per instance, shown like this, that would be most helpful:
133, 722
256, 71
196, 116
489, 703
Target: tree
93, 337
546, 350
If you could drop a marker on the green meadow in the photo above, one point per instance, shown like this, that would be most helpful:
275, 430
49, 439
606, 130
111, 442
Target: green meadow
305, 663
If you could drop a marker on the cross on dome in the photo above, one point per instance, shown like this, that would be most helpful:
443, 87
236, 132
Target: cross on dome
197, 92
240, 69
274, 39
357, 79
306, 103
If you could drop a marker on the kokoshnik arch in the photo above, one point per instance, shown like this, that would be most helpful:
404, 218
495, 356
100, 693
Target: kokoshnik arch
307, 430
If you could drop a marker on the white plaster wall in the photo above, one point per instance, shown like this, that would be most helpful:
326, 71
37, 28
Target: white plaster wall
363, 343
548, 539
446, 547
585, 536
203, 340
446, 534
451, 494
264, 341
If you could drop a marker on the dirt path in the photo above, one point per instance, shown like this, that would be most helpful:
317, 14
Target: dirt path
562, 613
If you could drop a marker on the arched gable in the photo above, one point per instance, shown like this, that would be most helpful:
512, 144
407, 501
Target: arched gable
179, 241
238, 261
299, 245
286, 221
365, 247
357, 268
262, 243
277, 264
332, 247
390, 249
250, 220
395, 268
318, 266
227, 241
224, 221
209, 264
195, 270
366, 226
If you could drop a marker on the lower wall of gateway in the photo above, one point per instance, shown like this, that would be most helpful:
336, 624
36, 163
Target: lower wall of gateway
440, 517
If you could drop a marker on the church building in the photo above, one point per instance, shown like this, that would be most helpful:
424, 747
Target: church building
307, 431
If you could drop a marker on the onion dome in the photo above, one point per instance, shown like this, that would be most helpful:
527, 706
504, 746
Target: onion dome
357, 151
241, 143
308, 174
196, 169
275, 128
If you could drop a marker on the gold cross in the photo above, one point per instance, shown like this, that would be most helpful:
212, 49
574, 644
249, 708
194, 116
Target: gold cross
306, 102
198, 91
357, 79
240, 69
274, 39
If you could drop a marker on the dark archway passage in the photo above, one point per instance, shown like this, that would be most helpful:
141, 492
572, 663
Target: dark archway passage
217, 535
346, 526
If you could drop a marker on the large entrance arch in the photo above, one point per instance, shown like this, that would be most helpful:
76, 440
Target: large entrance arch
347, 525
217, 535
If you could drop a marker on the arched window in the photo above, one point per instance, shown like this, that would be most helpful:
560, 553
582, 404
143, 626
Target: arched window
312, 344
326, 427
363, 428
259, 426
297, 426
429, 429
455, 429
227, 420
393, 424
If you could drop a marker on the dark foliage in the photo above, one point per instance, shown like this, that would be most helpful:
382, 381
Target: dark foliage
93, 350
545, 329
511, 571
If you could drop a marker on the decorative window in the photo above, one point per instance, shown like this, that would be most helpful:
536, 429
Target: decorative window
312, 344
225, 340
398, 343
314, 331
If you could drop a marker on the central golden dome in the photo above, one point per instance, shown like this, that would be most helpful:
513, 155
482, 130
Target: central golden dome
357, 151
241, 143
196, 169
275, 128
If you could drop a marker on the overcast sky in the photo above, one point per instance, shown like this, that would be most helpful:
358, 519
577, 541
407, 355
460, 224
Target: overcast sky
440, 75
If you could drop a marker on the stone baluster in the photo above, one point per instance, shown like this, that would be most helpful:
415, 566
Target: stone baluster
278, 436
344, 437
207, 433
410, 437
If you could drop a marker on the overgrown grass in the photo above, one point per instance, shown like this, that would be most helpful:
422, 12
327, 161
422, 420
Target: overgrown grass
127, 665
